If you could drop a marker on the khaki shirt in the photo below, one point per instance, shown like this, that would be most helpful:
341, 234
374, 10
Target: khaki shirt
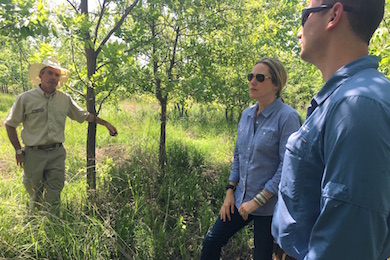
43, 116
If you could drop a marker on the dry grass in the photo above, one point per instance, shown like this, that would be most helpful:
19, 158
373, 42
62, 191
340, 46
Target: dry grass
117, 152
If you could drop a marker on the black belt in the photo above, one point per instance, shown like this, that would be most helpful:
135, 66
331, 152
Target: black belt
46, 147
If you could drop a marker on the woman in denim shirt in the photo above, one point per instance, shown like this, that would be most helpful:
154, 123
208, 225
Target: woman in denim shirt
258, 156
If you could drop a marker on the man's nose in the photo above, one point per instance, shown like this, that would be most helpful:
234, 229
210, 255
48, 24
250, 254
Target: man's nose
299, 35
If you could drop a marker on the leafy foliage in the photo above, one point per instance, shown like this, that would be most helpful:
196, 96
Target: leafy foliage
20, 19
380, 44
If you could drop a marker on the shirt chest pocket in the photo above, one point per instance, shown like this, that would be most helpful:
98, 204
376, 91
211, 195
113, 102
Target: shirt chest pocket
35, 116
267, 138
58, 117
301, 142
243, 135
35, 112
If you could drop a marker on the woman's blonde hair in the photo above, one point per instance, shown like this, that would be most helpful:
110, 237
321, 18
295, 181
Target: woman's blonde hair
278, 72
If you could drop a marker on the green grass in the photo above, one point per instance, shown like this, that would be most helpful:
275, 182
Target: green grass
139, 212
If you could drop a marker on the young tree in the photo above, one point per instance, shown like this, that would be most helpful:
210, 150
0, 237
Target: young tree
94, 30
167, 33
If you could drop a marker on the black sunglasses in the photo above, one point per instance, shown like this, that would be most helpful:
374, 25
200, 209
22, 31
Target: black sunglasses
259, 77
307, 11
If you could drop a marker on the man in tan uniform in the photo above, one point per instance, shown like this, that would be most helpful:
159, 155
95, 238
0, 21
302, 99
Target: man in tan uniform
43, 111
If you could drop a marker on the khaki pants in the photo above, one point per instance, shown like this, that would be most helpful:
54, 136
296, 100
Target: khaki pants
44, 175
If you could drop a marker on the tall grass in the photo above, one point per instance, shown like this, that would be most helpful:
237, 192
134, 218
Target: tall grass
139, 212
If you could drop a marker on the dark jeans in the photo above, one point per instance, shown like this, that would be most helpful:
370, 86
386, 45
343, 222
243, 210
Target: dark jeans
220, 233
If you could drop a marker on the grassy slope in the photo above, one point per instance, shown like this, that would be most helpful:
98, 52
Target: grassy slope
139, 213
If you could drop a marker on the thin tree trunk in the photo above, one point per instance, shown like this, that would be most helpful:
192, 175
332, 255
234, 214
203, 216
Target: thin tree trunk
163, 123
163, 119
91, 138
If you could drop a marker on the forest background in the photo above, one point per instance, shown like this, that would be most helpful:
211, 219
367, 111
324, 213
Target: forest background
171, 76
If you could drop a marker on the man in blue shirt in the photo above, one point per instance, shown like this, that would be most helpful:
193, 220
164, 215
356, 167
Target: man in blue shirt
334, 194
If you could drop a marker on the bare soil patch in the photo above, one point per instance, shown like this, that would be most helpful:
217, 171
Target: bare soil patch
118, 153
129, 107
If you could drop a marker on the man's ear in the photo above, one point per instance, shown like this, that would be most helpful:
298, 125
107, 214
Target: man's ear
336, 12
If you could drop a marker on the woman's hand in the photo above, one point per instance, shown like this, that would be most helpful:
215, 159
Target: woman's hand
228, 206
250, 206
247, 208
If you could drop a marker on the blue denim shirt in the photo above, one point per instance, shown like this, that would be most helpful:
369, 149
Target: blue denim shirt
334, 197
258, 156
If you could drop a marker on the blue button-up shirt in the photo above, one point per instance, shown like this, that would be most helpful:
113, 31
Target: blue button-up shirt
334, 198
259, 151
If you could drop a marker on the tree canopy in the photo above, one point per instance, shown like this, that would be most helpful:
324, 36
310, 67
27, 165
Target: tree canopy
181, 51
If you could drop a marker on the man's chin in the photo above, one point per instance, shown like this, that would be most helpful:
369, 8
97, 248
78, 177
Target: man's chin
304, 56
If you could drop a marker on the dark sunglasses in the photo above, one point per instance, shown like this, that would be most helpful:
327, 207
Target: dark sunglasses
259, 77
307, 11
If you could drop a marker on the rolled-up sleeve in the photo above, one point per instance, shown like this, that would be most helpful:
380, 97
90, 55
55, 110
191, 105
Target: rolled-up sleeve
76, 112
15, 116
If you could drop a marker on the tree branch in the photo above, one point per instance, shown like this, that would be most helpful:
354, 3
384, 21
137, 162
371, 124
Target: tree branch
101, 66
78, 74
119, 23
77, 91
104, 99
73, 6
21, 51
103, 8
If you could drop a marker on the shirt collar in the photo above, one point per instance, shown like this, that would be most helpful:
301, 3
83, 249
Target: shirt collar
344, 73
44, 94
269, 109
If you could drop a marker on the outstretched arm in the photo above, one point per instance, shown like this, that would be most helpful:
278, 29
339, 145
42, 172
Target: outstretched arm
111, 128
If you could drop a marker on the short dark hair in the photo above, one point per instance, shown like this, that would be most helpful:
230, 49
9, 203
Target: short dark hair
365, 17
